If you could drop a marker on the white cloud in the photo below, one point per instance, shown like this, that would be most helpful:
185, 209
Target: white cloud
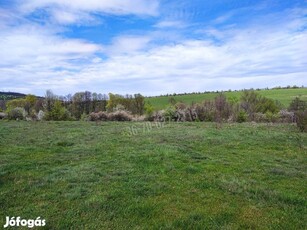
170, 24
35, 58
29, 43
127, 44
67, 11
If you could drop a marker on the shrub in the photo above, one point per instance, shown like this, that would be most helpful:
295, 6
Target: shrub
40, 115
3, 116
298, 105
170, 114
222, 108
84, 117
301, 120
17, 114
119, 107
259, 117
139, 118
286, 116
102, 116
242, 116
204, 111
158, 116
93, 117
149, 111
252, 102
271, 117
58, 113
181, 106
187, 114
120, 116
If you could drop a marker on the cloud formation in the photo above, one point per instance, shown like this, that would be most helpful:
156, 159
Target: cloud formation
267, 51
67, 11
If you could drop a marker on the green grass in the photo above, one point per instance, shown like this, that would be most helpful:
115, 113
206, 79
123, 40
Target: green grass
285, 96
81, 175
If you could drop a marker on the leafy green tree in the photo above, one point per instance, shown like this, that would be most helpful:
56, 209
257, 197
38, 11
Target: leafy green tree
50, 99
114, 100
298, 105
20, 102
58, 112
138, 104
30, 103
252, 102
17, 113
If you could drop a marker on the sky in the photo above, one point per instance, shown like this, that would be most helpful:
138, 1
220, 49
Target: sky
151, 47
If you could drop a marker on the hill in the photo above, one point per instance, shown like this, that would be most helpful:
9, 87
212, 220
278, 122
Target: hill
285, 96
10, 95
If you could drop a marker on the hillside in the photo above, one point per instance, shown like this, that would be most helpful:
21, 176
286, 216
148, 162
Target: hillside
285, 96
10, 95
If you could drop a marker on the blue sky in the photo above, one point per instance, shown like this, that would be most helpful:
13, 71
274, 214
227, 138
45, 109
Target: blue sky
151, 47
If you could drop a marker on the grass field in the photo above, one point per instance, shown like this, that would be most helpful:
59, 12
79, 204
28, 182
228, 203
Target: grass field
81, 175
285, 96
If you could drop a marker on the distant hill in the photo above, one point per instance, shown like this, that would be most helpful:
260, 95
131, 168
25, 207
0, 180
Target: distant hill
11, 95
284, 95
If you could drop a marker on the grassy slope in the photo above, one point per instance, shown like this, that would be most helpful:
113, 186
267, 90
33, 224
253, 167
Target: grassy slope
10, 95
285, 96
81, 175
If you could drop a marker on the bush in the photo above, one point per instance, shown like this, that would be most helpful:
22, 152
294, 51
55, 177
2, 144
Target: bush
93, 116
40, 115
271, 117
259, 117
298, 105
114, 116
204, 111
139, 118
158, 116
149, 112
301, 120
3, 116
185, 114
120, 116
84, 117
58, 113
17, 114
252, 102
170, 114
102, 116
242, 116
286, 116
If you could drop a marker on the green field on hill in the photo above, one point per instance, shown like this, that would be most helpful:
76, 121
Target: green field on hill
83, 175
285, 96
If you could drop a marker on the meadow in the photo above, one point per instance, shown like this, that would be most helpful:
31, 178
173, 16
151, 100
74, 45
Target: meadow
123, 175
284, 96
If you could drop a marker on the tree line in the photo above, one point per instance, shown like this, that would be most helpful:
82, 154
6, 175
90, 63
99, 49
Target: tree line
71, 107
251, 106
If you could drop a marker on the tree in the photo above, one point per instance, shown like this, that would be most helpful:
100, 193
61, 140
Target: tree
138, 104
58, 112
50, 99
114, 100
78, 105
30, 102
2, 105
252, 102
87, 102
298, 105
20, 102
222, 108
